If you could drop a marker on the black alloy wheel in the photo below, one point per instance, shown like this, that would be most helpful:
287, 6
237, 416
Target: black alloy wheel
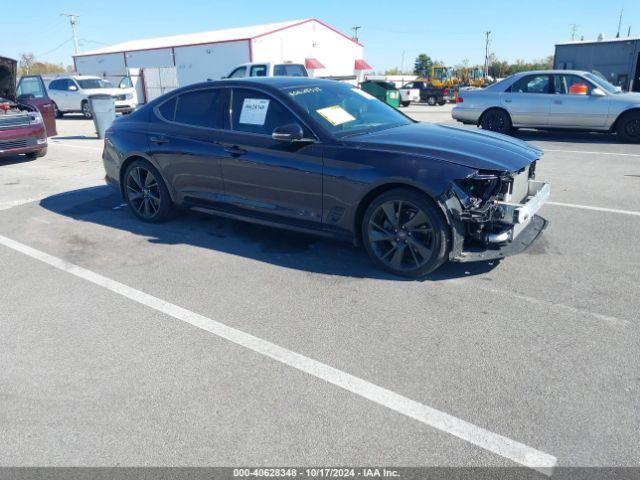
496, 121
404, 234
629, 128
146, 193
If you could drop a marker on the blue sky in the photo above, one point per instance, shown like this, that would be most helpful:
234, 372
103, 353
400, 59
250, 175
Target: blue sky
450, 31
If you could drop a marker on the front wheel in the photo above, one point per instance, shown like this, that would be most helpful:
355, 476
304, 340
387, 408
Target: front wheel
86, 110
405, 234
146, 194
628, 128
497, 121
57, 111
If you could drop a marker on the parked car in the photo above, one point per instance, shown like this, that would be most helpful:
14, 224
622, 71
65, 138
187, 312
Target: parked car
22, 127
430, 95
408, 95
268, 69
71, 94
323, 157
552, 99
384, 91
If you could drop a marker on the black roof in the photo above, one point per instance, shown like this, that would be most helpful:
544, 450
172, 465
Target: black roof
276, 83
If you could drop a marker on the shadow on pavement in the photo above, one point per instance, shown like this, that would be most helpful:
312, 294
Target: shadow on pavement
103, 206
76, 137
15, 160
565, 137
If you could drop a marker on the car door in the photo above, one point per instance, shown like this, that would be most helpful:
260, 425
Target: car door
267, 177
31, 90
185, 140
74, 96
57, 90
573, 105
528, 100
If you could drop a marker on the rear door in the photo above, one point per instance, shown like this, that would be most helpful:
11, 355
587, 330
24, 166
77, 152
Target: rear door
266, 177
573, 105
185, 140
528, 100
31, 90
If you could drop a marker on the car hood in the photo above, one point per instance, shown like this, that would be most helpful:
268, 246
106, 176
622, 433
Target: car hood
471, 148
630, 97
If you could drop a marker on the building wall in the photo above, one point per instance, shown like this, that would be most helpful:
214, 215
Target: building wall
110, 65
202, 62
309, 40
615, 60
158, 58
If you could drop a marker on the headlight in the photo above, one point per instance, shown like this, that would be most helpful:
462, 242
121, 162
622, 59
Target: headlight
128, 96
36, 119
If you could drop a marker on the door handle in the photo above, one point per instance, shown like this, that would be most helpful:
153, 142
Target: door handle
159, 140
558, 102
234, 150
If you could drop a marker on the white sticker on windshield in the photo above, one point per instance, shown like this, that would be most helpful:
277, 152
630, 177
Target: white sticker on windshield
364, 94
254, 111
336, 115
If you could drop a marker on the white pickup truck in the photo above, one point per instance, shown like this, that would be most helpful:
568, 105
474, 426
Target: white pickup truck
268, 69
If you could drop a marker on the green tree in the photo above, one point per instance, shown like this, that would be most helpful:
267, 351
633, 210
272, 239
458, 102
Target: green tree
423, 65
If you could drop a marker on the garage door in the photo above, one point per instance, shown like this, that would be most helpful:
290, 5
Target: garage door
158, 81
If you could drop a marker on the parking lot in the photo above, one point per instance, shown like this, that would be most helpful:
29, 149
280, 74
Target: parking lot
207, 341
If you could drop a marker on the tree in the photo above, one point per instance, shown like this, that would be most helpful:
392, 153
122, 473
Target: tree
26, 63
30, 66
423, 65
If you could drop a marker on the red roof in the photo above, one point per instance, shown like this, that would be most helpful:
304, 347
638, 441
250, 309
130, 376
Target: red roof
362, 65
313, 64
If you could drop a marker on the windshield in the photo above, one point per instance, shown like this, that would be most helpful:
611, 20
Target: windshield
602, 83
346, 110
93, 83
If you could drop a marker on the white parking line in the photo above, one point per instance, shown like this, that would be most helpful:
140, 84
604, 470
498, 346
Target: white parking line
597, 209
593, 153
493, 442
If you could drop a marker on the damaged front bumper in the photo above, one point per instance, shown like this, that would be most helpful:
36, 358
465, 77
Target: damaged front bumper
501, 227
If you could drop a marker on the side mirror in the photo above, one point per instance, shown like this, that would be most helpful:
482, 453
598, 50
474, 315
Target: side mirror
288, 133
73, 88
598, 92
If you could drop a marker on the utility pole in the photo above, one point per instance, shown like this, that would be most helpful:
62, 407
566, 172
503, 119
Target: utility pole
574, 31
486, 52
73, 20
355, 32
620, 23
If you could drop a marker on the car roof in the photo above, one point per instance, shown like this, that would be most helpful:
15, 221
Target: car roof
274, 83
552, 72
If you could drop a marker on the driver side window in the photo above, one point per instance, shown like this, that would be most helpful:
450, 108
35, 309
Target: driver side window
532, 84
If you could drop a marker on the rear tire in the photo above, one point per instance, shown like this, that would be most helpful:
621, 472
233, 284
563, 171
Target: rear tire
405, 234
146, 193
432, 101
406, 104
628, 128
86, 110
496, 120
57, 111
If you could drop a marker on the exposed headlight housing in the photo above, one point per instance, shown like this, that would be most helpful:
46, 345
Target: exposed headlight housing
476, 189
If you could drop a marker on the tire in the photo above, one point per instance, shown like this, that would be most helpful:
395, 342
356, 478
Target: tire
496, 120
146, 193
86, 111
628, 128
412, 244
442, 102
406, 104
56, 111
432, 101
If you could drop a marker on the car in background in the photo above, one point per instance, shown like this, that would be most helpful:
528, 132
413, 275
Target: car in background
384, 91
324, 157
269, 69
70, 94
408, 95
428, 94
552, 100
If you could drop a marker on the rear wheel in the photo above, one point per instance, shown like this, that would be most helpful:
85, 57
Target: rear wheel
86, 110
146, 193
497, 121
405, 234
57, 111
432, 101
406, 104
628, 128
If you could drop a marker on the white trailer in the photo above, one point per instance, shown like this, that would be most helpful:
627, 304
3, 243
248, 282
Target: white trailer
185, 59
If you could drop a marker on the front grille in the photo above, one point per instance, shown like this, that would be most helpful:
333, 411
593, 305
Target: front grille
520, 187
17, 143
12, 121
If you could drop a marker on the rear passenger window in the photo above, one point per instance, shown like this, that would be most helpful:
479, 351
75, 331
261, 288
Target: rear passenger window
201, 108
168, 109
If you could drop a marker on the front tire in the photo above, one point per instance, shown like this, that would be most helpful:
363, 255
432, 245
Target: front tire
628, 128
146, 193
405, 234
86, 110
497, 121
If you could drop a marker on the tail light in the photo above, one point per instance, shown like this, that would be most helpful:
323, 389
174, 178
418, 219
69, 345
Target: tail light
459, 100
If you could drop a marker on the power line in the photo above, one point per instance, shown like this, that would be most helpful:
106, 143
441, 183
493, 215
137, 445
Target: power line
54, 49
73, 18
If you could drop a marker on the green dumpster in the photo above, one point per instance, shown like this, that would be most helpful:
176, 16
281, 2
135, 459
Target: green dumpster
384, 91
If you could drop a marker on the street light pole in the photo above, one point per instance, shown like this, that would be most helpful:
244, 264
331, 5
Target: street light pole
486, 53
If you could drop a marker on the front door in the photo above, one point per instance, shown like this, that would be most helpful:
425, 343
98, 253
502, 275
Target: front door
31, 90
185, 134
267, 177
528, 100
573, 105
